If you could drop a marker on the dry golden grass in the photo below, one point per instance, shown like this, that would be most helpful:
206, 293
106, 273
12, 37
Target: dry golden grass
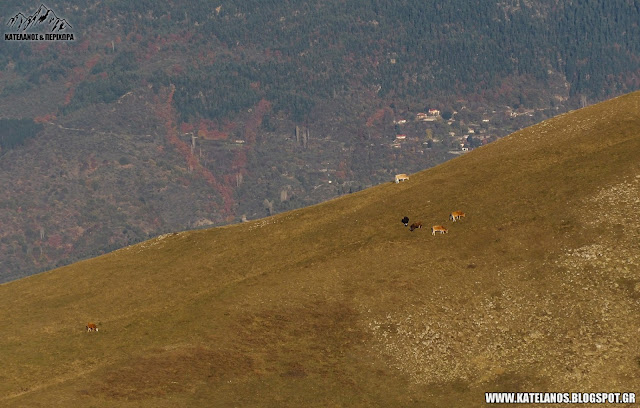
340, 305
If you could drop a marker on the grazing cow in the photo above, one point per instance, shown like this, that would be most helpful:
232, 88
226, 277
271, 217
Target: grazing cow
405, 221
415, 225
401, 177
456, 215
92, 327
438, 228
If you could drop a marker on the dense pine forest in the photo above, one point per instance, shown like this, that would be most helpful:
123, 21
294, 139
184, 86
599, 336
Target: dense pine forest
233, 110
297, 54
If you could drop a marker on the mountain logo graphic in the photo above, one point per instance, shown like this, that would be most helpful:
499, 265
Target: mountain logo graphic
43, 19
43, 16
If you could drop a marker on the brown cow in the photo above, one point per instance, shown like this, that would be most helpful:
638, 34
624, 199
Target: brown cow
438, 228
456, 215
92, 327
415, 225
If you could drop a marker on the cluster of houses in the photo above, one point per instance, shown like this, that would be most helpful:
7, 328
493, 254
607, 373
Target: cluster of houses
433, 115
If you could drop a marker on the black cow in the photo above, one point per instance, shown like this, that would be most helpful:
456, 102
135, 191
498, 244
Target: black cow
405, 221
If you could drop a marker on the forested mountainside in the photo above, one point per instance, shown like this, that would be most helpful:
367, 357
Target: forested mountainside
170, 115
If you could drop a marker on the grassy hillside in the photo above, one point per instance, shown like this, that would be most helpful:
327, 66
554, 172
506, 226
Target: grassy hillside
338, 304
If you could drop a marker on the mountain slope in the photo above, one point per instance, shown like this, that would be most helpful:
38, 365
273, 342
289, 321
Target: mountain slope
340, 305
186, 114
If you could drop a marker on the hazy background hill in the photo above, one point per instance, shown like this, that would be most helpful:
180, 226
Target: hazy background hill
290, 104
339, 304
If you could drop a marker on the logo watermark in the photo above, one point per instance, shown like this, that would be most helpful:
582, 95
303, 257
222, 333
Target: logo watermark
560, 397
50, 26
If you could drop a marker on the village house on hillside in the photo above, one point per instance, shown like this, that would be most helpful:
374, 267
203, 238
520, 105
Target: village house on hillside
520, 112
431, 116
